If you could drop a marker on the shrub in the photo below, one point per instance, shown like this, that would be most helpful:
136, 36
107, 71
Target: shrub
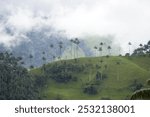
90, 89
143, 94
148, 82
62, 78
40, 81
136, 85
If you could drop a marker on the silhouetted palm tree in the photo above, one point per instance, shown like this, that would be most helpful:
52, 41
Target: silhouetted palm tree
77, 42
71, 41
95, 47
51, 45
129, 48
101, 45
51, 48
31, 64
109, 48
44, 58
60, 47
141, 48
100, 51
141, 45
101, 61
118, 63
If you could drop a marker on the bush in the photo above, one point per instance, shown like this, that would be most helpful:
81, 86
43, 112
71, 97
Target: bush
40, 81
148, 82
90, 89
136, 85
63, 78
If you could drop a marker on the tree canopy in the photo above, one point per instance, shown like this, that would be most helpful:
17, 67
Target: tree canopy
15, 82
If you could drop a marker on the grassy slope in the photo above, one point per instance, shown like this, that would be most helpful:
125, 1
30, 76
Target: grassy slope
116, 86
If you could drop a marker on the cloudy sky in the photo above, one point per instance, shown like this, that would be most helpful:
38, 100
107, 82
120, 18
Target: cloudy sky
126, 20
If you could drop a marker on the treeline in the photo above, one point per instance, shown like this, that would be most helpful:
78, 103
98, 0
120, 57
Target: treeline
142, 50
15, 81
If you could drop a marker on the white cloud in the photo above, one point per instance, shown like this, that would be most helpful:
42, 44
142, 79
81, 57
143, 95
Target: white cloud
128, 20
21, 19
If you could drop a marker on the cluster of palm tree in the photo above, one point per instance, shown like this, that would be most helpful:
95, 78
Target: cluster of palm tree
143, 49
74, 52
74, 47
99, 49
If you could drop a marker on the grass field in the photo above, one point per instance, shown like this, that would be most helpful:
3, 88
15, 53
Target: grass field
121, 73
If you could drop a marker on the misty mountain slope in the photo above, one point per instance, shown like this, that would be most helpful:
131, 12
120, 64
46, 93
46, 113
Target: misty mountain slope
120, 78
45, 40
107, 40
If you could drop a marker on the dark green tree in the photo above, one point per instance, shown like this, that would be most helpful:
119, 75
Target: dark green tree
15, 82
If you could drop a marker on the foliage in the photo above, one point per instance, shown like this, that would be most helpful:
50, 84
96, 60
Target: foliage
136, 85
148, 82
15, 82
62, 78
90, 89
40, 81
142, 50
143, 94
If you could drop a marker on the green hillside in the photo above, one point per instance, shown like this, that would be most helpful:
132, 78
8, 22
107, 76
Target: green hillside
94, 78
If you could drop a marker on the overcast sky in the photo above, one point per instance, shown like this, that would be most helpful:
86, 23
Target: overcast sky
127, 20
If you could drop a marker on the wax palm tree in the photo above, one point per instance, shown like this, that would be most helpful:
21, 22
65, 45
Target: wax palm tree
31, 57
71, 41
74, 43
101, 61
101, 45
95, 47
51, 48
60, 47
109, 48
141, 45
100, 50
129, 48
117, 63
44, 58
141, 48
77, 42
